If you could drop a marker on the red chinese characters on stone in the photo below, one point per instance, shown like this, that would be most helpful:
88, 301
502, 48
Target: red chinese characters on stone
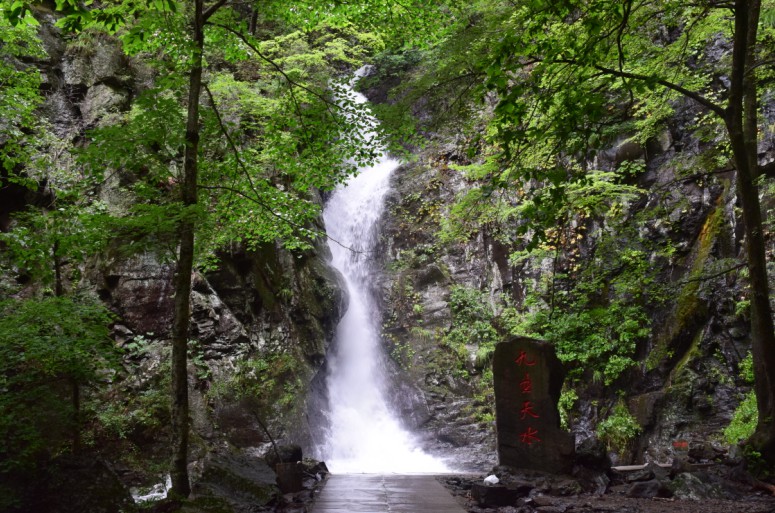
527, 409
522, 359
526, 385
530, 436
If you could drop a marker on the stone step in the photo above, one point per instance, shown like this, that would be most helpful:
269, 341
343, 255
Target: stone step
382, 493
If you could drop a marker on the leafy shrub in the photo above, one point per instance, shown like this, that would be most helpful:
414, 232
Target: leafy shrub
471, 322
619, 428
746, 368
743, 421
567, 401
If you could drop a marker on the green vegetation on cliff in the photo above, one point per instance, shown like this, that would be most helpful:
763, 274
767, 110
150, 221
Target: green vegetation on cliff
611, 153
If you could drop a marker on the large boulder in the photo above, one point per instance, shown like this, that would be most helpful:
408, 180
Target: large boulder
690, 486
240, 483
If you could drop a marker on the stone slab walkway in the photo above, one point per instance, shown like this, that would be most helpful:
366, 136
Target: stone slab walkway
376, 493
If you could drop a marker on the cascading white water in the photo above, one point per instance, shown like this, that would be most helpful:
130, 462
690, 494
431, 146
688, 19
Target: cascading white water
364, 434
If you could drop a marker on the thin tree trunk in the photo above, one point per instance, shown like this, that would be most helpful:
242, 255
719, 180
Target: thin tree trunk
59, 289
253, 22
75, 389
181, 486
76, 404
741, 121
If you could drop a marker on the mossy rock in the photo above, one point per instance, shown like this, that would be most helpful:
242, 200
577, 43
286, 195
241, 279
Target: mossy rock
238, 481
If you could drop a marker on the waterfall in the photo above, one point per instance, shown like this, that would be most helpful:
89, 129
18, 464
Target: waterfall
364, 434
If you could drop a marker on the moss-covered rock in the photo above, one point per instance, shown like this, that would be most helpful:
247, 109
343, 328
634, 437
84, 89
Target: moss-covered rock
235, 483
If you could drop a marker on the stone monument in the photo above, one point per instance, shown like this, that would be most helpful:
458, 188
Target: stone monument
528, 380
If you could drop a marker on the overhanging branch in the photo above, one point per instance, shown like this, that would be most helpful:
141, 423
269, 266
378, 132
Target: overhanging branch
702, 100
712, 276
212, 9
273, 64
255, 199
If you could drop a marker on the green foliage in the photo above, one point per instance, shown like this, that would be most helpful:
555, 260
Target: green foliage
403, 353
484, 397
402, 24
48, 346
269, 384
618, 429
743, 423
746, 368
595, 311
19, 95
41, 241
133, 409
565, 405
471, 323
746, 416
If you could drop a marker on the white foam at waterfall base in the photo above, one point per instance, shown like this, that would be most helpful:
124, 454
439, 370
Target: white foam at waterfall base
365, 435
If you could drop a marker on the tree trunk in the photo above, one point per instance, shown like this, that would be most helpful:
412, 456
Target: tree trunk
59, 289
76, 404
741, 122
253, 22
181, 486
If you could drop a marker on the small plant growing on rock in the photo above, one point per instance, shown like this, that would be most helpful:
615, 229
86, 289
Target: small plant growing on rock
746, 415
618, 429
743, 421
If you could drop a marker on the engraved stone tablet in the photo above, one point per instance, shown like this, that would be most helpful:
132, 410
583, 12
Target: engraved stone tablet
528, 381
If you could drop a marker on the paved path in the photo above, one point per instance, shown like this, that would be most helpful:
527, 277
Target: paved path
374, 493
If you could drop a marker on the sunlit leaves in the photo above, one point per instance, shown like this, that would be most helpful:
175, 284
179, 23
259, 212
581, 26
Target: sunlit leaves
19, 93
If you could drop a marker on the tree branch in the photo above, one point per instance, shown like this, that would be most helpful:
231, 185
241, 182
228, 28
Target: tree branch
212, 9
271, 212
273, 64
711, 276
233, 146
255, 199
646, 78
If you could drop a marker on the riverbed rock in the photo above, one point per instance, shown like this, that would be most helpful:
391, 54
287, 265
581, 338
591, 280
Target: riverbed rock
690, 486
649, 489
593, 454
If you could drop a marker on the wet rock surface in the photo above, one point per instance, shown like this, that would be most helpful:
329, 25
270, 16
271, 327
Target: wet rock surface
239, 482
707, 489
440, 383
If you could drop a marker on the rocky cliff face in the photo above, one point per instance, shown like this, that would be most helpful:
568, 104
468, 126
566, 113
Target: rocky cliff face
456, 410
686, 383
262, 319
